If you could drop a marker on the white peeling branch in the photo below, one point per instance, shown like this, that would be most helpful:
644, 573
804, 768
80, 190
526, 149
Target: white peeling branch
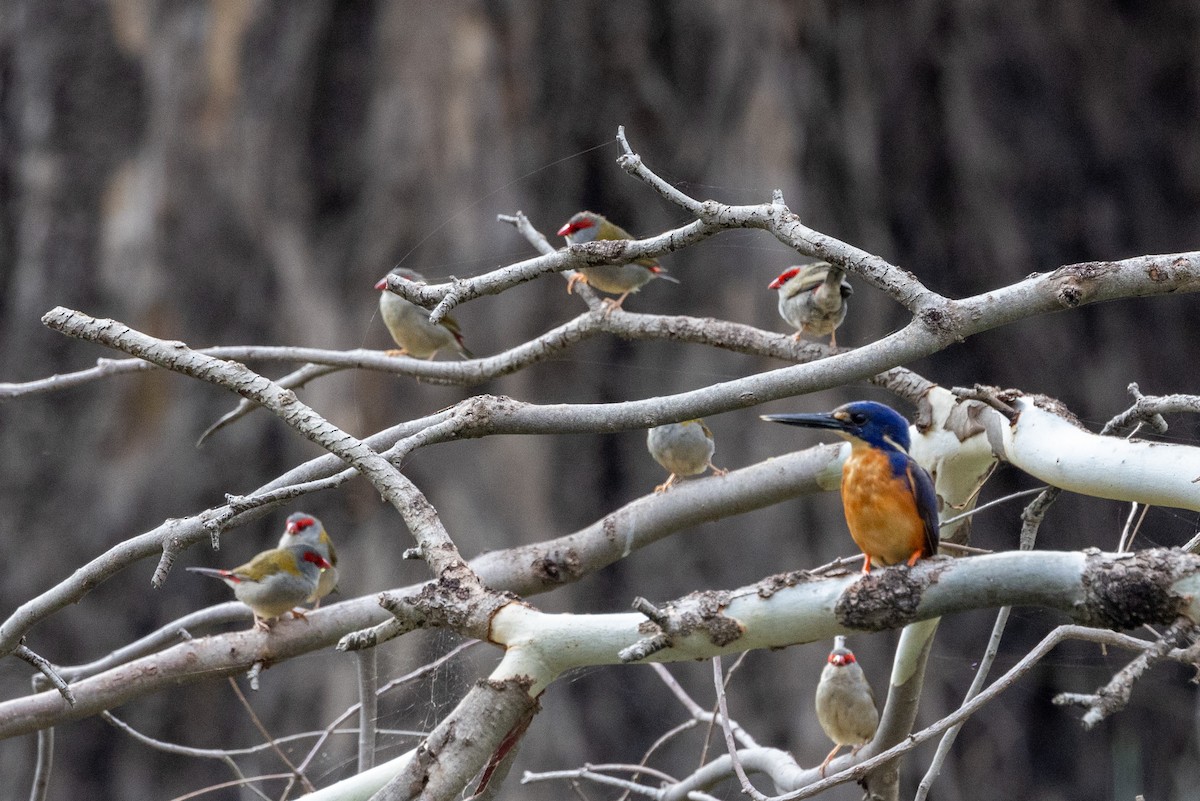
1095, 589
1118, 590
950, 442
1061, 453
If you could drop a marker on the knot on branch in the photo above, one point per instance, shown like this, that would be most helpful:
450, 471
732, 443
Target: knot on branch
1129, 590
941, 319
1075, 284
420, 294
456, 600
478, 415
629, 162
458, 288
781, 581
1142, 412
710, 212
600, 251
1002, 400
886, 598
558, 567
696, 613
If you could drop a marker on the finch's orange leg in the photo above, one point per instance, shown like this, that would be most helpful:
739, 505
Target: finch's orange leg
829, 759
613, 305
575, 279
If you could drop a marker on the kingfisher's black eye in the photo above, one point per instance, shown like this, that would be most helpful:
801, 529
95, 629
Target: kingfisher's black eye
858, 418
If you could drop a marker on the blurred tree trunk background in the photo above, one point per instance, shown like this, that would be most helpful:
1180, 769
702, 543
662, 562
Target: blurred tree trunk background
237, 172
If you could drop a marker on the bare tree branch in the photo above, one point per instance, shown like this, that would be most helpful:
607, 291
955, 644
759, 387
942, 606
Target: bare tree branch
1113, 697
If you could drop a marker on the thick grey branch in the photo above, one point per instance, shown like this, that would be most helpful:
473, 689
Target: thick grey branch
527, 570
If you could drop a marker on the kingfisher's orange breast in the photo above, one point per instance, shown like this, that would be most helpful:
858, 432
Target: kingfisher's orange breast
880, 509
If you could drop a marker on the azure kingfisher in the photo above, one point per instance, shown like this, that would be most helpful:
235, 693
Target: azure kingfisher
889, 501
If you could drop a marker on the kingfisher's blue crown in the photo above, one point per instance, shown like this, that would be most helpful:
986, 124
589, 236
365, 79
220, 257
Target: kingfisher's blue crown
874, 423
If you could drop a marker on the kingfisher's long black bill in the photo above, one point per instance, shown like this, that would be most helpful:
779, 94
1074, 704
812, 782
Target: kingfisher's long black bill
806, 420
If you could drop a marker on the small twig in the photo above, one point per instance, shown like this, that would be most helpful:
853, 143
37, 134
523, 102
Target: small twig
293, 380
1149, 411
44, 765
236, 783
180, 750
634, 769
258, 724
46, 669
631, 163
699, 713
447, 303
368, 679
413, 675
598, 778
659, 742
714, 716
719, 682
1033, 514
1113, 696
1133, 524
948, 547
994, 502
374, 636
981, 674
999, 399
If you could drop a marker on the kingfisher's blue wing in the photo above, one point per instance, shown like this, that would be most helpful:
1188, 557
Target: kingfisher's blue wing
921, 486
